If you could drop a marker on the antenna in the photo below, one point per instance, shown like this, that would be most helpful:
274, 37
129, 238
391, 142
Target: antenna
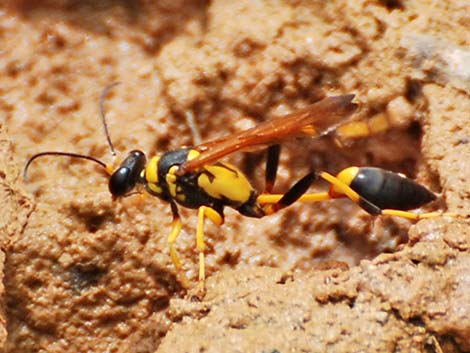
103, 119
56, 153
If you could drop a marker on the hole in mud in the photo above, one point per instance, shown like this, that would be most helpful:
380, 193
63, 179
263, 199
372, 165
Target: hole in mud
83, 276
34, 283
93, 223
231, 257
417, 321
393, 4
160, 304
92, 220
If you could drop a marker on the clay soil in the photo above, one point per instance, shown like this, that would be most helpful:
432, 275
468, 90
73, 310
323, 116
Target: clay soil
84, 273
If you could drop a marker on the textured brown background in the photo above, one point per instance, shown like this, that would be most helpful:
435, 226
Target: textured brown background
83, 273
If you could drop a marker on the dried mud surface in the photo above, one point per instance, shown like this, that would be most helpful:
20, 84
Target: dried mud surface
85, 274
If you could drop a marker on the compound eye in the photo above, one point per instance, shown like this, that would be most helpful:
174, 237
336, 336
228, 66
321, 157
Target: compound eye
121, 182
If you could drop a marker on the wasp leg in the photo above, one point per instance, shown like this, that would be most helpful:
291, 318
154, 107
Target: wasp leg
358, 129
417, 216
217, 219
291, 196
314, 197
272, 162
175, 231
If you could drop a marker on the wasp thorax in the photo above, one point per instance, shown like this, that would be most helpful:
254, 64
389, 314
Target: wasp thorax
126, 176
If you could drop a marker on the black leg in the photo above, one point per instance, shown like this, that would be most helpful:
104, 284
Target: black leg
272, 162
294, 193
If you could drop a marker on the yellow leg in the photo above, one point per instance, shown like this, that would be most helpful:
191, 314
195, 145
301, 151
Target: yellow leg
200, 247
317, 197
417, 216
175, 231
357, 129
344, 188
216, 218
273, 198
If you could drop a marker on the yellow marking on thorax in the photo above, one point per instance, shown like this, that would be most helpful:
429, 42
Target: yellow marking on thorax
171, 178
151, 175
155, 188
225, 181
151, 170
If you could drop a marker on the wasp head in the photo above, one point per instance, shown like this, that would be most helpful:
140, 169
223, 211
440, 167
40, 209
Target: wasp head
127, 175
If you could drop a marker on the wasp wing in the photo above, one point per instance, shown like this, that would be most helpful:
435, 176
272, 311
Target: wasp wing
314, 120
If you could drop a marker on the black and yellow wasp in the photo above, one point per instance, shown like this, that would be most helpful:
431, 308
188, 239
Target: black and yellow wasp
194, 177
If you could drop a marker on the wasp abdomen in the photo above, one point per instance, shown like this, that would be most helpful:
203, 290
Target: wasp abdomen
389, 190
